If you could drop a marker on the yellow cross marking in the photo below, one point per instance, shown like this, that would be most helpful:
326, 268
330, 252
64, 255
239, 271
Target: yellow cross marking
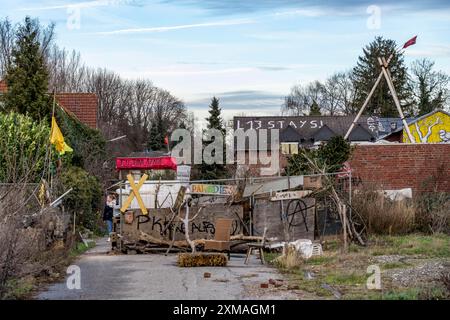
135, 193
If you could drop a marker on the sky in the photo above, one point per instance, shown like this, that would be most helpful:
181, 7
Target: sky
247, 53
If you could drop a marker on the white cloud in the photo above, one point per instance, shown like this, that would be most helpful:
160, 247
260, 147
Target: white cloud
85, 4
429, 51
180, 27
176, 72
312, 12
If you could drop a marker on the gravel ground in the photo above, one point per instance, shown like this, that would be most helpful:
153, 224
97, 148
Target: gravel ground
425, 272
155, 276
415, 270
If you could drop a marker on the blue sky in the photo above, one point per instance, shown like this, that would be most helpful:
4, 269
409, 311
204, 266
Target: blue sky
248, 53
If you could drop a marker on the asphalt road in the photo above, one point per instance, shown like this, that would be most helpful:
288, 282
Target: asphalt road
157, 277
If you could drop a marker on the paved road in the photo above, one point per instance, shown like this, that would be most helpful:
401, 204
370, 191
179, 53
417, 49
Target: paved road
155, 276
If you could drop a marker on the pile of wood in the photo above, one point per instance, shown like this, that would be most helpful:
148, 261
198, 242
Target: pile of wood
146, 243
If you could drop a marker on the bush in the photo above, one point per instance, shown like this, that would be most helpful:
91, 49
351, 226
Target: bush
88, 144
330, 156
433, 213
85, 197
23, 146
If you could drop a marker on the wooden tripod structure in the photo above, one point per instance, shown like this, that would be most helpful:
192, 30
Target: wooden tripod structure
387, 75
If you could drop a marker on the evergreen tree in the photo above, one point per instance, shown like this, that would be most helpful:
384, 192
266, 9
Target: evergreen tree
215, 121
314, 110
367, 71
27, 76
157, 134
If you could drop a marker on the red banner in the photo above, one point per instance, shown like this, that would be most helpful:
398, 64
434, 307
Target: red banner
159, 163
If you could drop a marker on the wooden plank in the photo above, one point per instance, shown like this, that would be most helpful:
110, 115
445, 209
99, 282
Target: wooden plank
135, 193
283, 183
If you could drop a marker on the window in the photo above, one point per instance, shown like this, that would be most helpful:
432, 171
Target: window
289, 147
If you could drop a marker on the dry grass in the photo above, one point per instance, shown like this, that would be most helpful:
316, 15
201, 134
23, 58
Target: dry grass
445, 278
346, 273
433, 213
383, 216
289, 259
27, 237
427, 212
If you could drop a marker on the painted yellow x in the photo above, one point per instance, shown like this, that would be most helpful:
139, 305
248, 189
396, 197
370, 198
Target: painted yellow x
135, 193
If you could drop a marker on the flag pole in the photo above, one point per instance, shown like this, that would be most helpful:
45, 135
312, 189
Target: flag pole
50, 177
366, 102
384, 66
166, 139
396, 100
54, 102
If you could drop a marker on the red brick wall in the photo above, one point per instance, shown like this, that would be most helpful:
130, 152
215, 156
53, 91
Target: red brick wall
423, 167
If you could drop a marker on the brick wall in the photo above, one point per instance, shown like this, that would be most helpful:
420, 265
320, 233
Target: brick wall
423, 167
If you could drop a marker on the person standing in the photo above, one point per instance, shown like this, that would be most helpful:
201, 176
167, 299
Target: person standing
108, 213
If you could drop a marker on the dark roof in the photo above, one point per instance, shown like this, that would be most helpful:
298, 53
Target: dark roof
289, 135
306, 126
324, 134
359, 133
307, 129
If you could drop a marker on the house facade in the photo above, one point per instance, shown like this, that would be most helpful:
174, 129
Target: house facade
433, 127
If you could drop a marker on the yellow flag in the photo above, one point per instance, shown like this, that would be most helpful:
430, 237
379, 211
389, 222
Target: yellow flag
57, 138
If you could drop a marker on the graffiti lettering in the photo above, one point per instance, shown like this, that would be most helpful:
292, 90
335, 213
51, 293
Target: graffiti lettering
163, 225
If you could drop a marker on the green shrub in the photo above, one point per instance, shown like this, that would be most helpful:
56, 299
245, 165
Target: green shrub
331, 156
88, 144
85, 197
23, 144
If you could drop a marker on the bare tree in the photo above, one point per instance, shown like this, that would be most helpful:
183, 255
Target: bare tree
347, 93
430, 87
335, 96
331, 95
301, 98
126, 107
7, 32
66, 70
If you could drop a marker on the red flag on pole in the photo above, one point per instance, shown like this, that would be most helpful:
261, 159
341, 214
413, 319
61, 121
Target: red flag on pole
410, 42
166, 140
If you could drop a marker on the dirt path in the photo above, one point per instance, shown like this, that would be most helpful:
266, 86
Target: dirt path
155, 276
